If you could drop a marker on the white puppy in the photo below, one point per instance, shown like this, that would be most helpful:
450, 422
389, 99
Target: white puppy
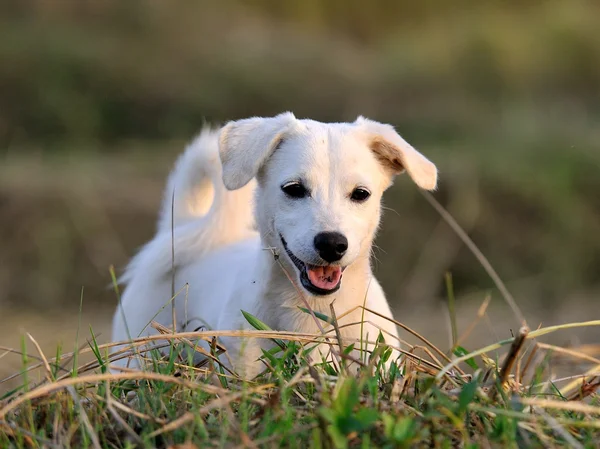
313, 190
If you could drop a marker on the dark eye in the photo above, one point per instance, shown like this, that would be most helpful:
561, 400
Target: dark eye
294, 190
360, 195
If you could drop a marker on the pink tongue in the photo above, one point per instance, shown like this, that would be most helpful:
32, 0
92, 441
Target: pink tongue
325, 278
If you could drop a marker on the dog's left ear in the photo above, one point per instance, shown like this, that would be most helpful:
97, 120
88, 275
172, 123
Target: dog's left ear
397, 155
245, 145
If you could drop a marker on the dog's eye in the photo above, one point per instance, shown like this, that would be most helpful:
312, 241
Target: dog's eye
294, 190
360, 195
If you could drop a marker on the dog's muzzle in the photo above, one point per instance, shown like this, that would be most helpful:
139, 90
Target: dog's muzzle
318, 280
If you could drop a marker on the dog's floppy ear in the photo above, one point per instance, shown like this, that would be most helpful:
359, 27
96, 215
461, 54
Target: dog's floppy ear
397, 155
245, 145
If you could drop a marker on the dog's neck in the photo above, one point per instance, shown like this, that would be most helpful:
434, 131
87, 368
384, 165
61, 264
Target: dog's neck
285, 296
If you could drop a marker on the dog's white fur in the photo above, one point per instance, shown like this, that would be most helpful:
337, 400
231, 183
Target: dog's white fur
227, 184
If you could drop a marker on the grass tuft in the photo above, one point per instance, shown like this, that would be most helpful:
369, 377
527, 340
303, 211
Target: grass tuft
469, 401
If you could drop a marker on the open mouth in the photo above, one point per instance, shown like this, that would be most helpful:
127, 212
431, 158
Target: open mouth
317, 279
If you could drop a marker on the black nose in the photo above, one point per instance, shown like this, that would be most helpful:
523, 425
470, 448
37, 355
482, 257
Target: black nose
331, 246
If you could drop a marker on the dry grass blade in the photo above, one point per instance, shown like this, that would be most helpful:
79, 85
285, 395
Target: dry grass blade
480, 314
115, 415
576, 384
84, 417
560, 430
110, 406
487, 266
338, 335
572, 406
587, 388
42, 356
137, 413
173, 309
550, 329
528, 362
568, 352
511, 357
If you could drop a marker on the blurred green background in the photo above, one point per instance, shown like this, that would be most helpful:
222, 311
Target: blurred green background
98, 98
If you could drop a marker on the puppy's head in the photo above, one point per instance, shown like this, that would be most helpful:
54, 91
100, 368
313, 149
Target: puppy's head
319, 187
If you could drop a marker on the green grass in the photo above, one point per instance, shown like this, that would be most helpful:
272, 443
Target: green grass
473, 401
